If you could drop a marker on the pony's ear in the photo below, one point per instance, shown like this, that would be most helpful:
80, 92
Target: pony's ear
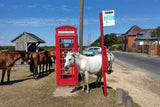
77, 53
73, 54
68, 52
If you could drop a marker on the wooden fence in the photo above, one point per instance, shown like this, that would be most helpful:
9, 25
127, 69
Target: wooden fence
149, 49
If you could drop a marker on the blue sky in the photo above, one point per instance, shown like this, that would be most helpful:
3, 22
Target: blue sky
41, 17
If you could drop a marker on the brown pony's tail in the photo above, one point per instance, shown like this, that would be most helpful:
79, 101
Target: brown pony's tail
32, 64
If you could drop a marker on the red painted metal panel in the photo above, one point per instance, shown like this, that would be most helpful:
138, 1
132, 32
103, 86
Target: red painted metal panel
66, 40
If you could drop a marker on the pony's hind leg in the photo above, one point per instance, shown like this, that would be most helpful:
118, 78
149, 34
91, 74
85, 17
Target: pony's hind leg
35, 73
3, 74
40, 69
82, 76
87, 75
8, 74
101, 74
43, 69
47, 67
98, 75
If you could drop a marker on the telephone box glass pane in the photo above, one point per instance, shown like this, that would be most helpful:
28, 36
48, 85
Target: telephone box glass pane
65, 46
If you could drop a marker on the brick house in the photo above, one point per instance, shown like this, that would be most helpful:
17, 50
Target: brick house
128, 39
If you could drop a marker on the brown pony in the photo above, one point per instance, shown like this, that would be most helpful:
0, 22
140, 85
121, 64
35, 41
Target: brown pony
7, 60
52, 53
38, 58
44, 59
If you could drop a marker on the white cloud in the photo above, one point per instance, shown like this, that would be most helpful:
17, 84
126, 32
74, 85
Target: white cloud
1, 5
156, 1
126, 19
16, 6
91, 21
88, 7
22, 6
32, 6
4, 41
66, 8
40, 22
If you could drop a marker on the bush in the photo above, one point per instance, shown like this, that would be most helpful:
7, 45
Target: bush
45, 47
8, 48
116, 47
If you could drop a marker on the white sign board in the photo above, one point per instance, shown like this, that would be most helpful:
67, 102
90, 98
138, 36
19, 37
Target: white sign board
108, 18
65, 31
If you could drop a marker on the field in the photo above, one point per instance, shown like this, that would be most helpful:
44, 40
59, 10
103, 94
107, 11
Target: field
25, 91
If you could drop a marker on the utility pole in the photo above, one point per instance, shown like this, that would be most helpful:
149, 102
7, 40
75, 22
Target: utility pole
81, 27
89, 40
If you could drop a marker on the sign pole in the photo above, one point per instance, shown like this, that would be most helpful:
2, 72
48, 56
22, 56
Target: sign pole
104, 56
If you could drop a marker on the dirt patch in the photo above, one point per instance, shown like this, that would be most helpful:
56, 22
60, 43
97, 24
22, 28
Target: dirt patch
26, 91
140, 86
64, 91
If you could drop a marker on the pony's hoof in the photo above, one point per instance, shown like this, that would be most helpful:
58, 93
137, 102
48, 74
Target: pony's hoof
8, 82
96, 85
35, 77
87, 92
2, 83
82, 91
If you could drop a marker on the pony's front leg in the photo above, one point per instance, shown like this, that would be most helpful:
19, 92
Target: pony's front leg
87, 75
43, 69
47, 67
8, 74
82, 76
98, 76
101, 74
40, 69
3, 74
35, 73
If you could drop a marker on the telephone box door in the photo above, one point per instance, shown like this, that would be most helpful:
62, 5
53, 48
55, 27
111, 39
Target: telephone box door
66, 40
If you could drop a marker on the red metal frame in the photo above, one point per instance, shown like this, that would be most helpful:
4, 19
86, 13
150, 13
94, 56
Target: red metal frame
66, 41
104, 56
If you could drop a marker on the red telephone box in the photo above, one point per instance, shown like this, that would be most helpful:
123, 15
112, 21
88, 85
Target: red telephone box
66, 40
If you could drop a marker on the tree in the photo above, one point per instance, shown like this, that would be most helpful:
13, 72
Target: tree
97, 42
156, 33
119, 40
109, 40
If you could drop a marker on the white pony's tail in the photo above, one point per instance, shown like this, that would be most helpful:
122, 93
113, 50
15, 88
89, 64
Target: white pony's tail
110, 56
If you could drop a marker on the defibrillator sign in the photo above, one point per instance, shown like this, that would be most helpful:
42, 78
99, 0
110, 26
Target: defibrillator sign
108, 18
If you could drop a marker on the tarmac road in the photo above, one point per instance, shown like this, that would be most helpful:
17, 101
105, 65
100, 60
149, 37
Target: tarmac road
148, 64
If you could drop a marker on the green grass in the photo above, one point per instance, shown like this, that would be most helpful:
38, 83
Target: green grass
27, 92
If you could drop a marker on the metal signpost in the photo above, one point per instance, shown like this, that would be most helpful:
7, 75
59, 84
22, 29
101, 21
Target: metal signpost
106, 19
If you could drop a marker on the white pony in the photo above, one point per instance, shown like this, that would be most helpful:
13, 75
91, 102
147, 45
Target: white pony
110, 58
86, 65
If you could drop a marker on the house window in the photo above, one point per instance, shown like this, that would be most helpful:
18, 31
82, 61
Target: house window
126, 37
123, 37
123, 46
126, 46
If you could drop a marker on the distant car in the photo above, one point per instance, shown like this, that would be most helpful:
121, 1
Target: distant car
88, 53
91, 51
94, 49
